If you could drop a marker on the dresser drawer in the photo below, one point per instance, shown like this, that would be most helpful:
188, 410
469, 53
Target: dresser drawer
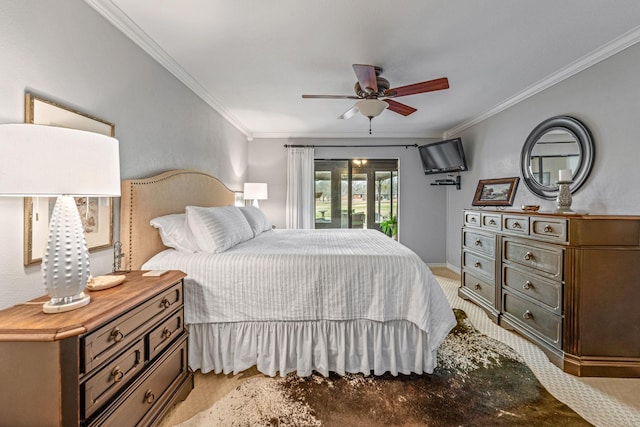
479, 287
534, 318
150, 390
476, 241
544, 259
491, 221
547, 292
116, 335
472, 219
98, 389
552, 229
515, 224
162, 336
479, 265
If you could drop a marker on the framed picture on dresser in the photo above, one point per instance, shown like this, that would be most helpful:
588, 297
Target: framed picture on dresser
496, 192
96, 213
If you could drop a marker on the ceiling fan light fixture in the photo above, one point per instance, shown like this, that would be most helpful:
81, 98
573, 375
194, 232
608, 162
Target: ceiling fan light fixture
371, 107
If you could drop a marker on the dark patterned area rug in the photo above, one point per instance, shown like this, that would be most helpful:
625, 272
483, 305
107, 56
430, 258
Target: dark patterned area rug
478, 382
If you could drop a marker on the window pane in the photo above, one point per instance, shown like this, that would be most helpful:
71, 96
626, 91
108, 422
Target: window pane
358, 200
394, 192
323, 196
382, 205
344, 200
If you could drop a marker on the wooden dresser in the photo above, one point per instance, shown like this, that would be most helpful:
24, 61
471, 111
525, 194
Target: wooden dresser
569, 283
121, 360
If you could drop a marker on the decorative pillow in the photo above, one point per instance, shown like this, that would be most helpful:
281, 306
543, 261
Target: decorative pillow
175, 233
256, 218
217, 229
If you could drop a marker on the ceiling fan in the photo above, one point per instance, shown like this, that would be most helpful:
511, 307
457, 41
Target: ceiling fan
371, 88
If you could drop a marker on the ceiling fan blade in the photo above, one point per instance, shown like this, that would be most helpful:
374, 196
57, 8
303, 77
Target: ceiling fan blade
366, 75
330, 97
428, 86
349, 113
399, 108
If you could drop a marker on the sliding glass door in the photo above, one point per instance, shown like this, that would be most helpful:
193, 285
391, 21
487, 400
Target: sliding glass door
355, 193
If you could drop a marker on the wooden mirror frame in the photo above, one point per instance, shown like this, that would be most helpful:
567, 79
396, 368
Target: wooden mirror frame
585, 144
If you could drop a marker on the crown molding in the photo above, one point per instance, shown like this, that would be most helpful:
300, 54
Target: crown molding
122, 22
616, 45
343, 135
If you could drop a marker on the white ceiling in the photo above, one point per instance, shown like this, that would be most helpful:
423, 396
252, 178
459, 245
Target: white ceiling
253, 59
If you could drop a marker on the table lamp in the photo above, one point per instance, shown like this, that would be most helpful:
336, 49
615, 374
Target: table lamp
255, 191
50, 161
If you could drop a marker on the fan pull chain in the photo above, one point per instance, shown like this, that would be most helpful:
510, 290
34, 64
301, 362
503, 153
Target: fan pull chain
370, 118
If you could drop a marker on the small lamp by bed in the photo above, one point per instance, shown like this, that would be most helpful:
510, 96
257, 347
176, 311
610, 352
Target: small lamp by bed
50, 161
255, 191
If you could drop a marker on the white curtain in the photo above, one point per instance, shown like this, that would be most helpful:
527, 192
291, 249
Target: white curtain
300, 188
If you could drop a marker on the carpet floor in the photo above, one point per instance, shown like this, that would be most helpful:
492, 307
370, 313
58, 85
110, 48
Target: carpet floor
479, 381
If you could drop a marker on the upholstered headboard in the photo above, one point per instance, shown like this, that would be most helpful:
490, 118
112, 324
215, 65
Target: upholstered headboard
168, 193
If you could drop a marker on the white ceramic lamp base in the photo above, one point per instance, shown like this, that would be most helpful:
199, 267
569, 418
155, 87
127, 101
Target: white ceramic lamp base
60, 305
65, 264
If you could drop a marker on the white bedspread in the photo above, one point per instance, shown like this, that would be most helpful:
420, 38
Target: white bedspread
305, 275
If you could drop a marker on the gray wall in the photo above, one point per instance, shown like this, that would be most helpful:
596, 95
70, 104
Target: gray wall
64, 51
422, 207
605, 98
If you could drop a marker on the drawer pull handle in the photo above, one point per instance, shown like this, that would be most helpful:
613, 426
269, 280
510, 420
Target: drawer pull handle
492, 222
166, 333
527, 315
117, 374
149, 397
477, 264
165, 303
117, 335
478, 287
547, 229
527, 285
473, 219
516, 225
528, 256
478, 242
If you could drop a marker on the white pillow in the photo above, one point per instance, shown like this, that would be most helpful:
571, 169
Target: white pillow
175, 233
256, 218
217, 229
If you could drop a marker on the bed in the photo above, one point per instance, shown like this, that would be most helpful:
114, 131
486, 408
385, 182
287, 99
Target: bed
289, 300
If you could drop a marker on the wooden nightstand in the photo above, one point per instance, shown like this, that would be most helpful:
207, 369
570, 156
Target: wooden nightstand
121, 360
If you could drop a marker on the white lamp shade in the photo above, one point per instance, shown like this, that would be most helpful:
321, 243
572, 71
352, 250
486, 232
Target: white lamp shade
255, 191
371, 107
46, 161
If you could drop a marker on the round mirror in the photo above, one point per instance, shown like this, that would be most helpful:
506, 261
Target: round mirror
557, 143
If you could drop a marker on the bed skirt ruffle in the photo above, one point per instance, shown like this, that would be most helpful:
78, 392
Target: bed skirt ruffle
304, 347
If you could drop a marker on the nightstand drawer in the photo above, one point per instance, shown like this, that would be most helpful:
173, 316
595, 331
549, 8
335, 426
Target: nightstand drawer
552, 229
476, 241
164, 334
544, 259
479, 287
149, 391
535, 318
98, 346
98, 389
546, 292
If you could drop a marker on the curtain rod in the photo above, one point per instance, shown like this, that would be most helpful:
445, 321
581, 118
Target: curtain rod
351, 146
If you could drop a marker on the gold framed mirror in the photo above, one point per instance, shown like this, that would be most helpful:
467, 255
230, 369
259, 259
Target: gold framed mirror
96, 212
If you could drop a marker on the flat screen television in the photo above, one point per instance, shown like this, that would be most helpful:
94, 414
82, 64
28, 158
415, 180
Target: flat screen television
442, 157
